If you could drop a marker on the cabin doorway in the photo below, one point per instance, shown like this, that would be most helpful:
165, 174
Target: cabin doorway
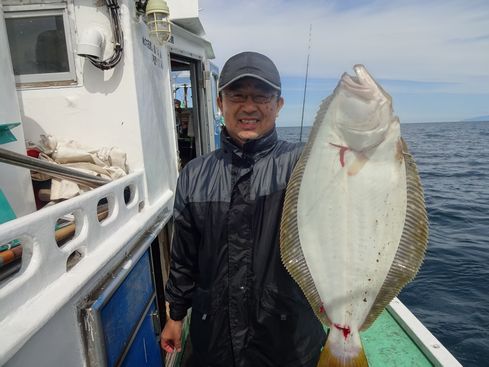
188, 89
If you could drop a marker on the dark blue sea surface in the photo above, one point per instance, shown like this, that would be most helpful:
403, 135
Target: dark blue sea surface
450, 294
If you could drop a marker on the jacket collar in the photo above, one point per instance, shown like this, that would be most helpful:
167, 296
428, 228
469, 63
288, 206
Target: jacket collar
252, 148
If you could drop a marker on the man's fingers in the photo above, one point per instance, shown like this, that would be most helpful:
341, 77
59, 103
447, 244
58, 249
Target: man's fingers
167, 347
171, 337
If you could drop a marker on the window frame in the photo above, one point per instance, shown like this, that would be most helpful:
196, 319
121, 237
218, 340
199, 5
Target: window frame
68, 77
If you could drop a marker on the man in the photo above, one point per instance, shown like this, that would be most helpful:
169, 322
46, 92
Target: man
178, 114
246, 309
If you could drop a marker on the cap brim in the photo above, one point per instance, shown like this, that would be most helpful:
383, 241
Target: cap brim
251, 75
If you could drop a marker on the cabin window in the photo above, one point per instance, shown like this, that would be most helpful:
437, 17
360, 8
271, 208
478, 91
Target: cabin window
40, 45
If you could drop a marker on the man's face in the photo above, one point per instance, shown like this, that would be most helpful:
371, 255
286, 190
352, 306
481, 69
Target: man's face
249, 108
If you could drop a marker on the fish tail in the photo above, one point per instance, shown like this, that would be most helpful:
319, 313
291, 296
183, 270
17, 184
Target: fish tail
331, 358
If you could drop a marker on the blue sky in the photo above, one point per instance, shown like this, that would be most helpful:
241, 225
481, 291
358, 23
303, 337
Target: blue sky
432, 56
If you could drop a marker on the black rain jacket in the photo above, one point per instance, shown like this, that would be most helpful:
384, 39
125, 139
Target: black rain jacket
246, 309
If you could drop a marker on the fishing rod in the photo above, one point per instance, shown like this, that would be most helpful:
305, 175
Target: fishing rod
305, 82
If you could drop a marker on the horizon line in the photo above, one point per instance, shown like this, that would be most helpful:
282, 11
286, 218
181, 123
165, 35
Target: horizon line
419, 122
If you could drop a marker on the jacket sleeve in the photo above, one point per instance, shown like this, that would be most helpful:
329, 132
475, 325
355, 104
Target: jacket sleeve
184, 260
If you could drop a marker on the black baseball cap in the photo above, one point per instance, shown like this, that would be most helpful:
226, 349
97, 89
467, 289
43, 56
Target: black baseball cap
249, 64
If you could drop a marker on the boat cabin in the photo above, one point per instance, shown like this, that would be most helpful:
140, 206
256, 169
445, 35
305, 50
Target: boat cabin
89, 87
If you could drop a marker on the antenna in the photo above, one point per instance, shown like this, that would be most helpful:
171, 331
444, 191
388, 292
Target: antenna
305, 83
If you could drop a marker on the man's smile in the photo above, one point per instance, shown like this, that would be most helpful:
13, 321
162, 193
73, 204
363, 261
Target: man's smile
248, 121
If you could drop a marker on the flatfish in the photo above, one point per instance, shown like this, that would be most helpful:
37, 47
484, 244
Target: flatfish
354, 227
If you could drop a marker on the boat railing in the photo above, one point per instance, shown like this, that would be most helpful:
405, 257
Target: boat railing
51, 271
424, 339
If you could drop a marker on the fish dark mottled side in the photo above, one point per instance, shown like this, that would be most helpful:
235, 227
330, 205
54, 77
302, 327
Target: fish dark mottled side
354, 227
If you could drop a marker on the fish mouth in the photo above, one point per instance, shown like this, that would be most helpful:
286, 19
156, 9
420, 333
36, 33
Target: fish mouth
361, 84
363, 99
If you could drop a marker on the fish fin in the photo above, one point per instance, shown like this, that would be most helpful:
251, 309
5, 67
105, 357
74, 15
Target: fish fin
330, 359
290, 247
412, 245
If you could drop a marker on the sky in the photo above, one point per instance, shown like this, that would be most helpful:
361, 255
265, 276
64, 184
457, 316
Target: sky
431, 56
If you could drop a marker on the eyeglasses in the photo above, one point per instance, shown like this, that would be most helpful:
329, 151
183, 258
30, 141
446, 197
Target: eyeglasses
237, 97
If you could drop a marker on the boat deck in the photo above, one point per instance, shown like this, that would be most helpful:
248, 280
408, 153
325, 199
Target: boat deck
396, 339
386, 343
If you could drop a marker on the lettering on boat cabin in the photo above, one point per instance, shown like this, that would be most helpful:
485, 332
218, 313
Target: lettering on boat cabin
155, 51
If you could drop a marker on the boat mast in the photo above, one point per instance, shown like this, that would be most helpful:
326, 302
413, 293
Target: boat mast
305, 82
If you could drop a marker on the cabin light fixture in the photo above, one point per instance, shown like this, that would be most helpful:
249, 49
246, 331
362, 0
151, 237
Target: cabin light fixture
158, 21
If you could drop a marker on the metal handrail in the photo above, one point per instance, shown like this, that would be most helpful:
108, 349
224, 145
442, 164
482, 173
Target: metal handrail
51, 169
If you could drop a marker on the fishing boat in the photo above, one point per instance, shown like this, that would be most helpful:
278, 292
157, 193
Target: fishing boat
82, 275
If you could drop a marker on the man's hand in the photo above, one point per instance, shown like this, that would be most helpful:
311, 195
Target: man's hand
171, 336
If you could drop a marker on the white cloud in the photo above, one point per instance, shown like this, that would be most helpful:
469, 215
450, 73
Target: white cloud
428, 41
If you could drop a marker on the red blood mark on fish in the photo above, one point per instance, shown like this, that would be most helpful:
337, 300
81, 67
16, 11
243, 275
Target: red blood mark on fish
322, 309
345, 329
343, 149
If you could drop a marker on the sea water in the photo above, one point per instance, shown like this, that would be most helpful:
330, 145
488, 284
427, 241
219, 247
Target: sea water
450, 294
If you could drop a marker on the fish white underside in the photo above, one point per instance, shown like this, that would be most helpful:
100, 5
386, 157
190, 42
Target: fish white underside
350, 214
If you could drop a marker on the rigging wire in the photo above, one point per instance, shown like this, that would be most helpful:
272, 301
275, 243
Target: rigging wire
112, 61
305, 82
